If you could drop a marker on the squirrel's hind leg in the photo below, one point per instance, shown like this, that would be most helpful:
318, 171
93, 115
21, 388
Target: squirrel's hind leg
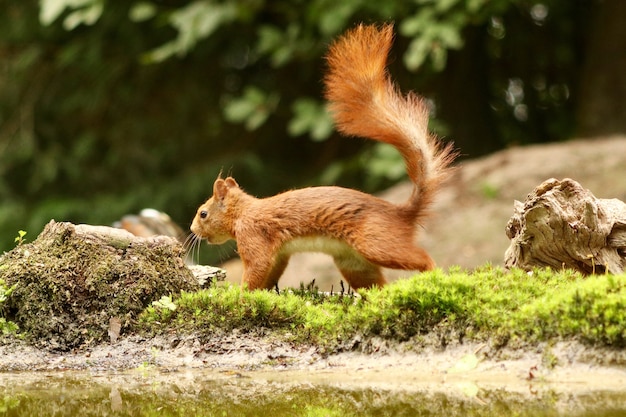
359, 272
398, 257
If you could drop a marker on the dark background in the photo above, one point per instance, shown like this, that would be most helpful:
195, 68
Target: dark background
115, 106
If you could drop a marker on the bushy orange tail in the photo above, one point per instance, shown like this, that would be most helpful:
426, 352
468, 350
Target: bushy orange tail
365, 102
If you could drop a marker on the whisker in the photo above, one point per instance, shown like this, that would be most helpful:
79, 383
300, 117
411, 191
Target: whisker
196, 248
191, 246
197, 242
187, 245
224, 253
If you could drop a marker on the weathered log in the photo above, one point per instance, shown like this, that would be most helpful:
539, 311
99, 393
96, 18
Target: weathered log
563, 225
206, 274
122, 239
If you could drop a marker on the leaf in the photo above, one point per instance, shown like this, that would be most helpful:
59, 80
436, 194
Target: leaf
439, 56
473, 6
5, 292
194, 22
465, 364
310, 116
417, 23
161, 53
417, 52
334, 18
270, 38
449, 34
434, 30
443, 6
165, 302
252, 108
279, 45
50, 10
385, 162
86, 16
142, 11
20, 235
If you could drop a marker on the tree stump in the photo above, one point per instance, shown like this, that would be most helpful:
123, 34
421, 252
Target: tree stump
563, 225
78, 284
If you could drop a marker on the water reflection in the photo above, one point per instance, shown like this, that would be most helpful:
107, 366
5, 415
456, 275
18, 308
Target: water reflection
142, 393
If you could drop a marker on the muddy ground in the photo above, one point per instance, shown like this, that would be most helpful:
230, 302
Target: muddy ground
566, 367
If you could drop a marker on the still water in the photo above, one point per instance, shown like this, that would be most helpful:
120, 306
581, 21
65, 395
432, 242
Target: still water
276, 394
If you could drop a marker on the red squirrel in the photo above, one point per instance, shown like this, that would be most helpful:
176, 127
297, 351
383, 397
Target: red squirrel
361, 232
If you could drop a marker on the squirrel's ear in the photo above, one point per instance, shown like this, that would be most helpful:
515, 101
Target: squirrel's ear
231, 183
219, 189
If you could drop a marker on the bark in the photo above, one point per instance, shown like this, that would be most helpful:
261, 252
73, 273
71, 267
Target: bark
563, 225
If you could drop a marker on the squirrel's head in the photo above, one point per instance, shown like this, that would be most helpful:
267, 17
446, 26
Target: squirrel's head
214, 218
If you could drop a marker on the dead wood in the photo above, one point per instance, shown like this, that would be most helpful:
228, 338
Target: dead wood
563, 225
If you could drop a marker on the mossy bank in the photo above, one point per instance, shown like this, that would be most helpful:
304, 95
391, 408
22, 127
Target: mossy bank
506, 308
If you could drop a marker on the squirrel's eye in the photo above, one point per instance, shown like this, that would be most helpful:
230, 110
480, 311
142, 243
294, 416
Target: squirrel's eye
203, 214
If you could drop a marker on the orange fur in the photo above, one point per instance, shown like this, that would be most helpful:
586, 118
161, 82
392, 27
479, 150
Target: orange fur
361, 232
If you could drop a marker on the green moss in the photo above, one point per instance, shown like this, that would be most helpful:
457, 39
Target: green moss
6, 327
593, 309
490, 191
486, 303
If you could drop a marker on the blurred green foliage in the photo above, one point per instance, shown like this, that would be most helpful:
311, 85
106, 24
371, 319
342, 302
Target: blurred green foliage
108, 107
